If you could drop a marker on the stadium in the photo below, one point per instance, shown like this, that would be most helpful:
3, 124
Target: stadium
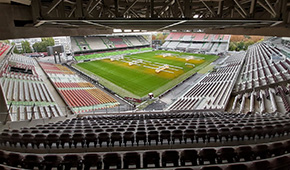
145, 84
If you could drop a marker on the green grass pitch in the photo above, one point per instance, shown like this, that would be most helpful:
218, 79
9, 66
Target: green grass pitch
139, 80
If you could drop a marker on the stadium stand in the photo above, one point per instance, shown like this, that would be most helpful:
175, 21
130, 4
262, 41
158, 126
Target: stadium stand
101, 43
197, 42
79, 94
27, 96
102, 55
195, 133
212, 92
218, 131
95, 43
263, 81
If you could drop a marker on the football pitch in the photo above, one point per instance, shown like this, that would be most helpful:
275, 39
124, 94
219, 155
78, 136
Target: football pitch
137, 75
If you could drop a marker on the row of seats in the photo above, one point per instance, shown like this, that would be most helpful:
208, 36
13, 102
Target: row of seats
259, 72
181, 157
196, 37
26, 93
78, 89
98, 136
103, 43
215, 88
125, 128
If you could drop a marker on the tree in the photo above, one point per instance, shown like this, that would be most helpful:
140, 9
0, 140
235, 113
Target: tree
42, 46
233, 46
15, 49
26, 47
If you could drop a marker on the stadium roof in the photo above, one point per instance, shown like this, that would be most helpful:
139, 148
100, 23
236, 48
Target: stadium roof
29, 18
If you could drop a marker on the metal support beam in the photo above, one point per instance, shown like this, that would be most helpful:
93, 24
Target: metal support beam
285, 13
152, 9
79, 9
171, 25
72, 11
187, 10
165, 7
61, 12
240, 12
241, 8
220, 8
129, 7
209, 9
116, 4
94, 6
266, 8
96, 24
53, 5
36, 9
180, 8
252, 8
272, 9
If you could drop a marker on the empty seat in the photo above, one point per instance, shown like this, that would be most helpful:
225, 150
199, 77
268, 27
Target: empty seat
26, 139
51, 139
188, 156
151, 157
112, 159
244, 152
170, 157
78, 138
3, 157
116, 137
65, 138
177, 134
104, 137
92, 160
165, 135
15, 159
141, 135
153, 135
31, 161
91, 137
277, 148
131, 158
70, 161
14, 139
207, 154
226, 154
128, 136
188, 134
51, 161
261, 151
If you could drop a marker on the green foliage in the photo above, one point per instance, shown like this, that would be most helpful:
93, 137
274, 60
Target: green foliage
242, 45
26, 47
42, 46
16, 51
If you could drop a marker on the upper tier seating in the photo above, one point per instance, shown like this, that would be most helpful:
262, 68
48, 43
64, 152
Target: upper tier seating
196, 42
96, 43
104, 43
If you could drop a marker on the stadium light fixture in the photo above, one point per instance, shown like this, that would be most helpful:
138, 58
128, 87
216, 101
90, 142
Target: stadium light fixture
127, 30
195, 16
